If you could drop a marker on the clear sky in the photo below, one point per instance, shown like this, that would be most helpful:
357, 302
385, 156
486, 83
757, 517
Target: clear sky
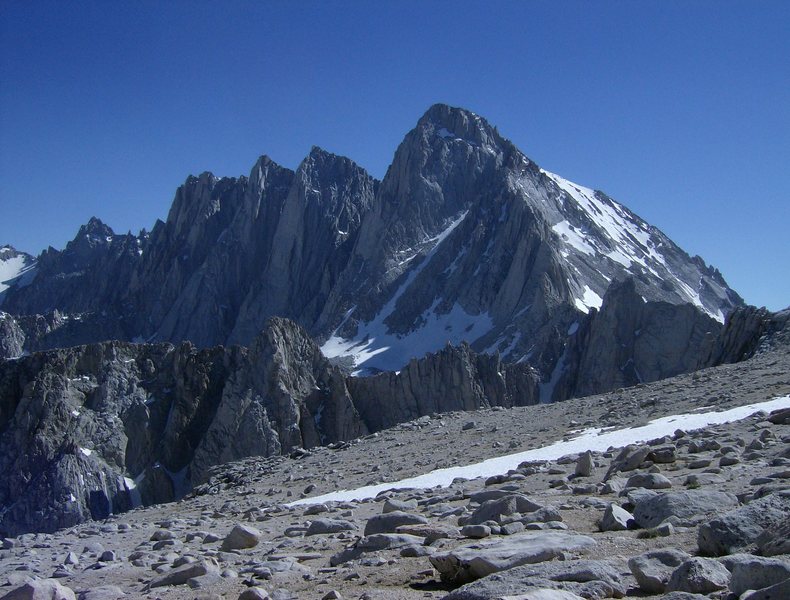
678, 109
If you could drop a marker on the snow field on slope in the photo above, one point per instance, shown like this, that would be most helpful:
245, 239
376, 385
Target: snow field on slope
11, 268
374, 347
632, 240
595, 440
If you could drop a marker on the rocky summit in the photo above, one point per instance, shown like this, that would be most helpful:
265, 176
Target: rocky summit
471, 380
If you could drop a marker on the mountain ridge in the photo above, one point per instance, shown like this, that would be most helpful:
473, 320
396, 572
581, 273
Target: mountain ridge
464, 239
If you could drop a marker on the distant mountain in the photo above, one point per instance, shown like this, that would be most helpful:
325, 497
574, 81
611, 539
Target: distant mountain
16, 269
464, 240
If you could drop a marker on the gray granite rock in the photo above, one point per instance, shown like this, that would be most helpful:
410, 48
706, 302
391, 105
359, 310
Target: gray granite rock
473, 561
686, 506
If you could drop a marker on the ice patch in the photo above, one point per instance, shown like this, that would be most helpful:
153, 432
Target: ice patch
86, 451
590, 439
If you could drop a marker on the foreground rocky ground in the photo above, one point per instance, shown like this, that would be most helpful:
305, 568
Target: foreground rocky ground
697, 512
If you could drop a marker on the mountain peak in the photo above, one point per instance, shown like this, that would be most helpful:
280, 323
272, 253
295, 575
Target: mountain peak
453, 123
95, 226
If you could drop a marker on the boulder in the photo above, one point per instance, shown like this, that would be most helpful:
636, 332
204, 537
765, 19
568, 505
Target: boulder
473, 561
779, 590
241, 537
739, 529
584, 464
389, 522
653, 569
324, 526
494, 510
649, 481
751, 572
628, 459
616, 518
585, 578
774, 540
393, 504
180, 575
699, 575
41, 589
687, 506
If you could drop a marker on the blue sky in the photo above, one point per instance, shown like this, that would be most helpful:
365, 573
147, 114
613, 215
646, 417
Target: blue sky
677, 109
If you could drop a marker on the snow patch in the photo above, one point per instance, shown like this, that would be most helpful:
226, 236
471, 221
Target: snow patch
630, 236
375, 348
86, 451
570, 235
588, 300
13, 268
591, 439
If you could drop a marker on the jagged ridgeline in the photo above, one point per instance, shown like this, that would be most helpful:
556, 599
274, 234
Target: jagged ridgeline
97, 429
465, 239
543, 289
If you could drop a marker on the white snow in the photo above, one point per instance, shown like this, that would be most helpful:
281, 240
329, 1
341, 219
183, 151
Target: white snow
630, 237
571, 236
134, 494
11, 268
590, 439
588, 300
86, 451
375, 347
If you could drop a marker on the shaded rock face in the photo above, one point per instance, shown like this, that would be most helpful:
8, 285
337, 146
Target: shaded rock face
631, 341
94, 430
12, 338
453, 379
749, 331
465, 239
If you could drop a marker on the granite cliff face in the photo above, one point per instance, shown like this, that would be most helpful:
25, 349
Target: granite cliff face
464, 240
98, 429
